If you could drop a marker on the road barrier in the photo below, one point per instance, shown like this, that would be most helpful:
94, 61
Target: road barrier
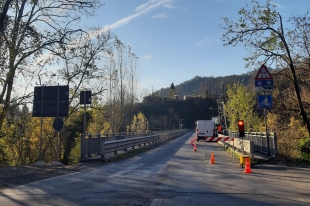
91, 144
259, 140
124, 144
242, 146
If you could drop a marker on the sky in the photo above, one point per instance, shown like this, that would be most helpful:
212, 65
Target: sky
176, 40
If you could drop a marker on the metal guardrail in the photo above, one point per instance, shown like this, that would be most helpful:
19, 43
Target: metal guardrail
124, 144
260, 141
92, 143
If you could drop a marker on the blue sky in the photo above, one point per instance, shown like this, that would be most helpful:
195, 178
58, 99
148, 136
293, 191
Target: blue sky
176, 40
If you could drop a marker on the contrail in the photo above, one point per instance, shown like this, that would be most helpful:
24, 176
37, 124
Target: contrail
140, 10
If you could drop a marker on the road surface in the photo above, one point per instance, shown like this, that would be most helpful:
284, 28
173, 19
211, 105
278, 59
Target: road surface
170, 174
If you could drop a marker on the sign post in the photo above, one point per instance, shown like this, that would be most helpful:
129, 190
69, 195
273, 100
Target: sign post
51, 101
85, 98
264, 83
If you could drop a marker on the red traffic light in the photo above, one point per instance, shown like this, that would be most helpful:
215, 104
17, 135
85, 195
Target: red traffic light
240, 123
241, 128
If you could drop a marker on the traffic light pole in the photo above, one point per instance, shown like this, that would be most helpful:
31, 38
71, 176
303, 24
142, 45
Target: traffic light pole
240, 124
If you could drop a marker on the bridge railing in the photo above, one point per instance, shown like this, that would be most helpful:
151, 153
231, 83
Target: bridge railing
92, 143
124, 144
260, 141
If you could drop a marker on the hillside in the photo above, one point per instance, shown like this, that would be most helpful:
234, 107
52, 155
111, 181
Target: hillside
206, 86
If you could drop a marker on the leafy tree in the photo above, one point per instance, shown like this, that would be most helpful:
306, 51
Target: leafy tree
240, 104
139, 124
260, 30
71, 134
99, 123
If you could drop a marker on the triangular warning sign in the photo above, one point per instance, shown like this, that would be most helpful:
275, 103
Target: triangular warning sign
263, 73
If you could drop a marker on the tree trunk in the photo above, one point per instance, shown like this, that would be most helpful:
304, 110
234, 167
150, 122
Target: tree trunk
296, 86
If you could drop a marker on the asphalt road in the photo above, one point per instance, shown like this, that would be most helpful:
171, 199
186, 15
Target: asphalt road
170, 174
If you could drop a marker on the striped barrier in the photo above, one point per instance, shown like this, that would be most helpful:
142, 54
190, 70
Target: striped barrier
215, 139
193, 140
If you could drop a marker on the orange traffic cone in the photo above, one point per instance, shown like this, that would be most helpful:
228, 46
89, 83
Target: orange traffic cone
247, 168
195, 148
212, 161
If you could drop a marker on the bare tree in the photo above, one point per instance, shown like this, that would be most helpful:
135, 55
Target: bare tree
84, 67
122, 85
33, 30
260, 30
122, 71
132, 78
4, 6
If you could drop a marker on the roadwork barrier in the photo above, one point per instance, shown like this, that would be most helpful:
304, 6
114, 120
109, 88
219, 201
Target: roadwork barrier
240, 146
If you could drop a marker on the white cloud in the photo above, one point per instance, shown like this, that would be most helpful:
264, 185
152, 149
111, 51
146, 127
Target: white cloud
204, 42
143, 6
165, 3
160, 16
147, 57
140, 10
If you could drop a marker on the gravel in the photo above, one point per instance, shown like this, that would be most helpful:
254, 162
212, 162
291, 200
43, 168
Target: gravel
12, 176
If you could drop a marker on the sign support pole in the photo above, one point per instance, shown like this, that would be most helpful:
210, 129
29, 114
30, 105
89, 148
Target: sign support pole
234, 147
57, 146
267, 136
40, 152
206, 148
84, 130
264, 83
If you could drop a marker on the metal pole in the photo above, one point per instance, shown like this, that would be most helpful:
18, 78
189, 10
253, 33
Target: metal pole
265, 114
57, 146
206, 148
58, 153
234, 144
84, 129
82, 147
89, 145
40, 152
242, 146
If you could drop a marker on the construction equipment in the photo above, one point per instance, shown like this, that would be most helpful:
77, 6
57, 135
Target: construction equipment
222, 116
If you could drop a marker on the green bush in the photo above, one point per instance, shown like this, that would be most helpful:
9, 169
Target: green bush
304, 148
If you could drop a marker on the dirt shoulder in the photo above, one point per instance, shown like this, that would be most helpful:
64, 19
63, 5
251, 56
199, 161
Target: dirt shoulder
24, 174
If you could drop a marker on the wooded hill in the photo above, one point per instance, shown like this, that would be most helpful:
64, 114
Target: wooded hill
206, 86
188, 102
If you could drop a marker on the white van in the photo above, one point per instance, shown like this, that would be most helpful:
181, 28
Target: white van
204, 129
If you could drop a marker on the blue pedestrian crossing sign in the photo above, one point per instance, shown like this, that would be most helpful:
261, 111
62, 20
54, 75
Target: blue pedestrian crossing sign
265, 101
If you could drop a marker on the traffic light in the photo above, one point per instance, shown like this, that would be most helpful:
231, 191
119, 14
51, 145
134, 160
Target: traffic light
241, 128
